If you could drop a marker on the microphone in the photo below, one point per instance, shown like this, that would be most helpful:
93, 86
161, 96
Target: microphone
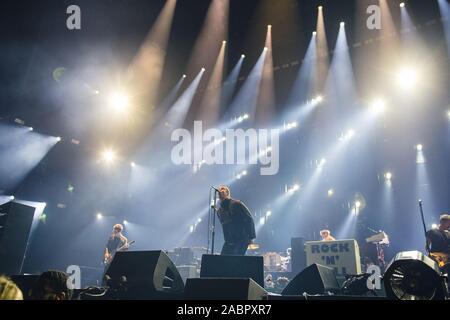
217, 190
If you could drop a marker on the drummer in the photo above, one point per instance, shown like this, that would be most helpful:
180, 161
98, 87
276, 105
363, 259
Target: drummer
326, 235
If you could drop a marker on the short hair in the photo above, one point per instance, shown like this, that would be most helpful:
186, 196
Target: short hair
55, 280
226, 187
9, 290
444, 217
118, 227
324, 231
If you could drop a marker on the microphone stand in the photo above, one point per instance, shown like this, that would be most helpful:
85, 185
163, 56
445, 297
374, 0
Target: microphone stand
213, 233
424, 225
212, 227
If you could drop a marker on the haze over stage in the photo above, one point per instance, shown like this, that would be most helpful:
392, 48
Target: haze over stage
87, 119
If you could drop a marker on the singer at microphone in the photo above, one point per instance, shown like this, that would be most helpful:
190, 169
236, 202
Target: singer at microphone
237, 223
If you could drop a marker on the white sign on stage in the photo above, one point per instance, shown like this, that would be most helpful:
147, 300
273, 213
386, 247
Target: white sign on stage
341, 255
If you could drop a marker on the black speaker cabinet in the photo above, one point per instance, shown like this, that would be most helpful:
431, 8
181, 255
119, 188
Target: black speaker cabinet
298, 255
15, 225
145, 274
223, 289
227, 266
315, 279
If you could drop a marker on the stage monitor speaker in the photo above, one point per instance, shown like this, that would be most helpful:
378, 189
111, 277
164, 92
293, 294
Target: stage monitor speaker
25, 282
15, 225
145, 274
228, 266
223, 289
315, 279
298, 255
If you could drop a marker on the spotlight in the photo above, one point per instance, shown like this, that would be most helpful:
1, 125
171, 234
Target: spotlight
245, 116
30, 128
434, 226
265, 48
119, 101
319, 99
342, 24
378, 106
191, 229
58, 139
419, 147
448, 114
268, 213
224, 42
291, 125
357, 204
244, 173
99, 216
243, 56
97, 92
125, 222
330, 192
402, 5
320, 7
203, 69
199, 220
11, 198
314, 33
108, 156
292, 189
132, 164
269, 26
407, 78
388, 176
184, 76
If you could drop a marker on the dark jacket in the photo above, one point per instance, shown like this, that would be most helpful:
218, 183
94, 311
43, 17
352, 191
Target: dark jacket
237, 221
439, 240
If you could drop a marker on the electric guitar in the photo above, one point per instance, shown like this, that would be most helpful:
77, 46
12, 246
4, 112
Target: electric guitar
109, 256
441, 258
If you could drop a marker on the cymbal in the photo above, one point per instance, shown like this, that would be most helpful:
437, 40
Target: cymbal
253, 246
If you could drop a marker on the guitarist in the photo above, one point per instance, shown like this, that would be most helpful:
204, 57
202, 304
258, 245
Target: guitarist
438, 241
117, 241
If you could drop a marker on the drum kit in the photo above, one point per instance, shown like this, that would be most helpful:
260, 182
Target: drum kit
273, 261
